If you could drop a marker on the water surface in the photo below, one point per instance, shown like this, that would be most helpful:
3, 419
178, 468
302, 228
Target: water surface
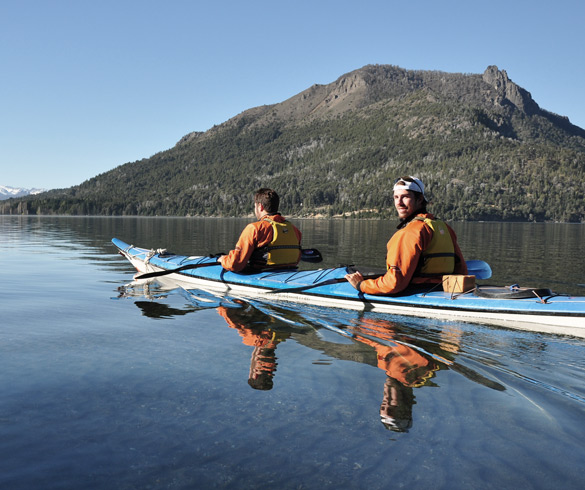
107, 386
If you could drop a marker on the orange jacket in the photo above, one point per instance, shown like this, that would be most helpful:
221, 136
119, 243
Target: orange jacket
401, 362
404, 364
250, 336
402, 259
255, 235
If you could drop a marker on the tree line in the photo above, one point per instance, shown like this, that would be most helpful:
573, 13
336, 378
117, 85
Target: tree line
477, 163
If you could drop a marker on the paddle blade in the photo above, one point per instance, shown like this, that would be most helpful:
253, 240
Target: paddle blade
311, 255
479, 269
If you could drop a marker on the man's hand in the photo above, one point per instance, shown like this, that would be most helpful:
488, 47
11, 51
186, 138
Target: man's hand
354, 279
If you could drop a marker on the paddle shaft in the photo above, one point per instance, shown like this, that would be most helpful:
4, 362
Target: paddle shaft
171, 271
307, 254
337, 280
478, 268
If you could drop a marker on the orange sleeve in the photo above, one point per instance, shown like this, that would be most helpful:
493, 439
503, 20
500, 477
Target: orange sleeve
249, 336
397, 360
255, 235
404, 251
238, 258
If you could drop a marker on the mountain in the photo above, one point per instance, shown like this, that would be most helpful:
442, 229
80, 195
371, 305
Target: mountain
482, 145
8, 192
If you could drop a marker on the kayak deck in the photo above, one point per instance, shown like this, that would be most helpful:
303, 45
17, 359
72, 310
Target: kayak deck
554, 314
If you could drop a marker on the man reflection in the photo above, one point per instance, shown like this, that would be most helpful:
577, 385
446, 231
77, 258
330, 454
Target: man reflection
405, 368
396, 407
264, 340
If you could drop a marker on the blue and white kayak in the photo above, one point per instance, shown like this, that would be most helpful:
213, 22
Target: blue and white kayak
539, 310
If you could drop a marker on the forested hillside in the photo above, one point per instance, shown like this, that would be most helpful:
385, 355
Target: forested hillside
482, 145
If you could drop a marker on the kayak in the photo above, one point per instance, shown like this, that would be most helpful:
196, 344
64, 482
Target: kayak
538, 310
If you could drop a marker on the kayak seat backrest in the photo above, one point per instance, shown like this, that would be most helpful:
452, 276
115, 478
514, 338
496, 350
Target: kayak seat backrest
508, 293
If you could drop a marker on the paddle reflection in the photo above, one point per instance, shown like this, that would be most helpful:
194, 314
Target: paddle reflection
154, 309
150, 303
153, 291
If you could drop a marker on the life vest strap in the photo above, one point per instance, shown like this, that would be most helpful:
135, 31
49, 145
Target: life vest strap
442, 254
278, 247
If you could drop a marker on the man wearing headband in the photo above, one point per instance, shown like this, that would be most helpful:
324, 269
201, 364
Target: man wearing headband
422, 250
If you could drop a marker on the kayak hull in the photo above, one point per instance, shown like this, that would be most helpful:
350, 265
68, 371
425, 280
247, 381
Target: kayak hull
558, 314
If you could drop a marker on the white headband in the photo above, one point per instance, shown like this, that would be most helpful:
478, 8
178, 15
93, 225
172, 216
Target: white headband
416, 185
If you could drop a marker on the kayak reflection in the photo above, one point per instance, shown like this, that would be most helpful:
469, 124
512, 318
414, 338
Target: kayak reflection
409, 356
150, 304
152, 292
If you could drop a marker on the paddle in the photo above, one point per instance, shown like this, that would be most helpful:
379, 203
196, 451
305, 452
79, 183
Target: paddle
307, 255
337, 280
311, 255
477, 268
172, 271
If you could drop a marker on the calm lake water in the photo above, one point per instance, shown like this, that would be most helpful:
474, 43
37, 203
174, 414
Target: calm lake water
107, 386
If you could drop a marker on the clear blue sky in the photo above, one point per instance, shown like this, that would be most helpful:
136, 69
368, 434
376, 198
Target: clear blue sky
89, 85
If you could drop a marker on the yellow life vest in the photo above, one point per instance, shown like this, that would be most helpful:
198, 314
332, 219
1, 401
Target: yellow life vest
439, 257
284, 249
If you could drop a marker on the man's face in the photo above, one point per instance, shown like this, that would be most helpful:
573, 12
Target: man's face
406, 203
257, 210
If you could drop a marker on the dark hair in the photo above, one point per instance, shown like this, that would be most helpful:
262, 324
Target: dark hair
423, 206
268, 198
262, 382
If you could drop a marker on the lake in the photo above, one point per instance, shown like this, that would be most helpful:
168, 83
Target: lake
108, 385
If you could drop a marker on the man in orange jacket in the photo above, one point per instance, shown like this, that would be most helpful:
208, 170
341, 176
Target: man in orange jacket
420, 252
270, 242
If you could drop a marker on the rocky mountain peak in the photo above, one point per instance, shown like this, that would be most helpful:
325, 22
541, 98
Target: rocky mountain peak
507, 92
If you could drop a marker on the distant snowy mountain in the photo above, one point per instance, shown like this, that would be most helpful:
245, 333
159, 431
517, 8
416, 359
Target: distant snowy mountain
8, 192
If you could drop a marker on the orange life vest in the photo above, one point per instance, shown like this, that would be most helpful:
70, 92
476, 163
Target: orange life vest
283, 251
439, 257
